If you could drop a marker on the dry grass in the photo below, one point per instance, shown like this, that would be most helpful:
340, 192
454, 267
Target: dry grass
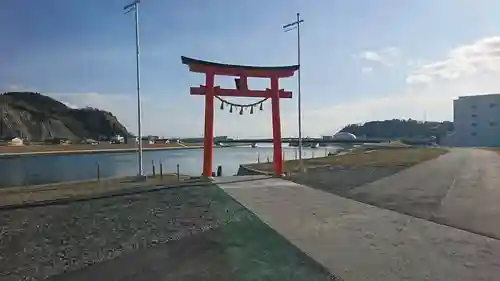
40, 193
378, 158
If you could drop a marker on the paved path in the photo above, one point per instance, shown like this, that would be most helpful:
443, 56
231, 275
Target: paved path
357, 241
460, 189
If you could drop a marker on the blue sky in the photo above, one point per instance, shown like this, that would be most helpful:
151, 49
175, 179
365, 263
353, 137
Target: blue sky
361, 60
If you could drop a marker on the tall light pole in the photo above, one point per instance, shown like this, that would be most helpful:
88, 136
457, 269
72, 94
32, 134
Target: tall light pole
135, 7
288, 27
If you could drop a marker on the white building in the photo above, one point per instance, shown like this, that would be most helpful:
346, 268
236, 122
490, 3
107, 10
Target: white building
476, 120
117, 139
344, 136
16, 142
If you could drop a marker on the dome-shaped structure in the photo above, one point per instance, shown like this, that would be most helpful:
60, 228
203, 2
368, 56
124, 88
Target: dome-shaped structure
344, 136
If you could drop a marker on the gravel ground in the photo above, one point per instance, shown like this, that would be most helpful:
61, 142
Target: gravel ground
246, 249
190, 233
40, 242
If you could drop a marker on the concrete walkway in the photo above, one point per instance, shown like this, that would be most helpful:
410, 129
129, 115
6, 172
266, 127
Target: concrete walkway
473, 200
460, 189
356, 241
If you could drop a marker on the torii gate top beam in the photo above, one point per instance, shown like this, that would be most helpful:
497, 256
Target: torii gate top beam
201, 66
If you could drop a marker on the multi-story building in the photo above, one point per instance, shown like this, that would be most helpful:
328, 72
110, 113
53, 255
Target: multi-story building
476, 120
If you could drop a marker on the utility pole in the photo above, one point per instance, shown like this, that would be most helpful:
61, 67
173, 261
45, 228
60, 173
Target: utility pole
135, 7
288, 27
1, 124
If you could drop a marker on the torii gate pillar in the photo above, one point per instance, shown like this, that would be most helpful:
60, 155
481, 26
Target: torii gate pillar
210, 91
208, 140
277, 141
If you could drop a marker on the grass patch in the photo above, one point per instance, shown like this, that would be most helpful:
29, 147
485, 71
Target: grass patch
377, 158
40, 193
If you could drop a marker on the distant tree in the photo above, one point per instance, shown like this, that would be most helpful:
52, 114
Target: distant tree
399, 128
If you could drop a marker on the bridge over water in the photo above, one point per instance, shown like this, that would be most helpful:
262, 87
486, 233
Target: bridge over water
295, 141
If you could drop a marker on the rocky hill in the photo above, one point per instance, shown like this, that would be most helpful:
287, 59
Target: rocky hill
39, 118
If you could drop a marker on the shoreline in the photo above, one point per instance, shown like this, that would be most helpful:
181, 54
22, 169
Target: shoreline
88, 151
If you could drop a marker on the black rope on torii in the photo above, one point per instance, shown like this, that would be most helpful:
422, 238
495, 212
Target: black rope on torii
241, 106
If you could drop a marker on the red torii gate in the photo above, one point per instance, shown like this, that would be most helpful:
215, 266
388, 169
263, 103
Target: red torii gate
209, 90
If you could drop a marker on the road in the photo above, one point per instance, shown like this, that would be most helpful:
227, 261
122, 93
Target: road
459, 189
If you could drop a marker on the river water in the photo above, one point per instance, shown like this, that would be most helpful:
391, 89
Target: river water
29, 170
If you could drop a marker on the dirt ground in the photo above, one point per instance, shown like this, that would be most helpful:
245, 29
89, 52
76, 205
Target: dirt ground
190, 233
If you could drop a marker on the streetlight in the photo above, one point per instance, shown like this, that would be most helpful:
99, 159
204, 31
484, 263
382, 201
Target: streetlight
135, 7
288, 27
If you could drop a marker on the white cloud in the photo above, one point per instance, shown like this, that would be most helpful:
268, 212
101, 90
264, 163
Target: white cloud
371, 56
479, 58
70, 105
431, 87
470, 69
415, 62
387, 56
418, 78
391, 52
367, 69
15, 88
429, 94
